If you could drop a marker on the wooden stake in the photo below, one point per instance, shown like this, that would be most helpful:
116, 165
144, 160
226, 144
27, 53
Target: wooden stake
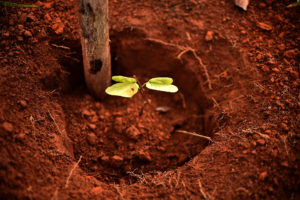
93, 19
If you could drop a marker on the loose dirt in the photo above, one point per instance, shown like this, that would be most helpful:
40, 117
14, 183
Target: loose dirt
238, 79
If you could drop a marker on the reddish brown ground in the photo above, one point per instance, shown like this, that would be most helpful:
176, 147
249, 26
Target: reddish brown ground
248, 103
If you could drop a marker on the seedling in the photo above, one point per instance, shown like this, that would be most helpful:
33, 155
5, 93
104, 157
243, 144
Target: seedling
128, 87
6, 3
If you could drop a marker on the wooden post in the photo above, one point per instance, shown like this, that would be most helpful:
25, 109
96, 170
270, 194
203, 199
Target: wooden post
93, 19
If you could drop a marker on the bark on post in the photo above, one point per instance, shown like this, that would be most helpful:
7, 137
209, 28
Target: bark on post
93, 19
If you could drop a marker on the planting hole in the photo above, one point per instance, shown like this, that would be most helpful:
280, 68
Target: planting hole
119, 138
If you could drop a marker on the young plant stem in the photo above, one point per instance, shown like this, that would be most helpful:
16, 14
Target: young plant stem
142, 108
146, 101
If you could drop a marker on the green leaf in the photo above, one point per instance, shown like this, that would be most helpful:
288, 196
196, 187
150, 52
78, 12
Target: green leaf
161, 80
123, 89
162, 87
123, 79
5, 3
163, 84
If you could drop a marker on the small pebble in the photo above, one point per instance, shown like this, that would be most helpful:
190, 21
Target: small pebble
47, 17
264, 26
105, 159
132, 132
145, 156
262, 5
268, 131
92, 126
285, 164
23, 103
261, 141
92, 138
58, 28
263, 176
209, 36
27, 33
284, 126
20, 26
275, 69
265, 68
6, 34
20, 136
20, 38
96, 190
8, 127
294, 74
116, 161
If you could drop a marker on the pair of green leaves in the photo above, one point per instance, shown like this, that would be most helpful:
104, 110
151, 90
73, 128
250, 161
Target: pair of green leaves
6, 3
127, 87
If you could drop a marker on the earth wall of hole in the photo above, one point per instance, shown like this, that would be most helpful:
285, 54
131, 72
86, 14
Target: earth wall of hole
115, 140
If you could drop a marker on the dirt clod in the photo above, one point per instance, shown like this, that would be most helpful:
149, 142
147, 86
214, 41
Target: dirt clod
58, 28
262, 5
92, 139
8, 127
96, 190
23, 103
145, 156
261, 141
20, 136
132, 132
275, 69
92, 126
263, 175
116, 161
209, 36
27, 33
284, 126
264, 26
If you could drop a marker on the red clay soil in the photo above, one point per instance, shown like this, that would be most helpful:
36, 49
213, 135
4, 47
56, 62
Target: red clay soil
238, 78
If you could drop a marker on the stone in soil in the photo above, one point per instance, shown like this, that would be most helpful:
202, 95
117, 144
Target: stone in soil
92, 138
116, 161
261, 141
8, 127
96, 190
145, 156
20, 136
92, 126
209, 36
27, 33
263, 176
23, 103
132, 132
264, 26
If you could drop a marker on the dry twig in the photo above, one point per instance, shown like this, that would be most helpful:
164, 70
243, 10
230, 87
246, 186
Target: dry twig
183, 100
56, 125
55, 195
215, 101
72, 171
183, 51
195, 134
202, 190
61, 46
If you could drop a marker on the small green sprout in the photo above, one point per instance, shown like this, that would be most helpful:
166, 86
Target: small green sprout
128, 87
10, 4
